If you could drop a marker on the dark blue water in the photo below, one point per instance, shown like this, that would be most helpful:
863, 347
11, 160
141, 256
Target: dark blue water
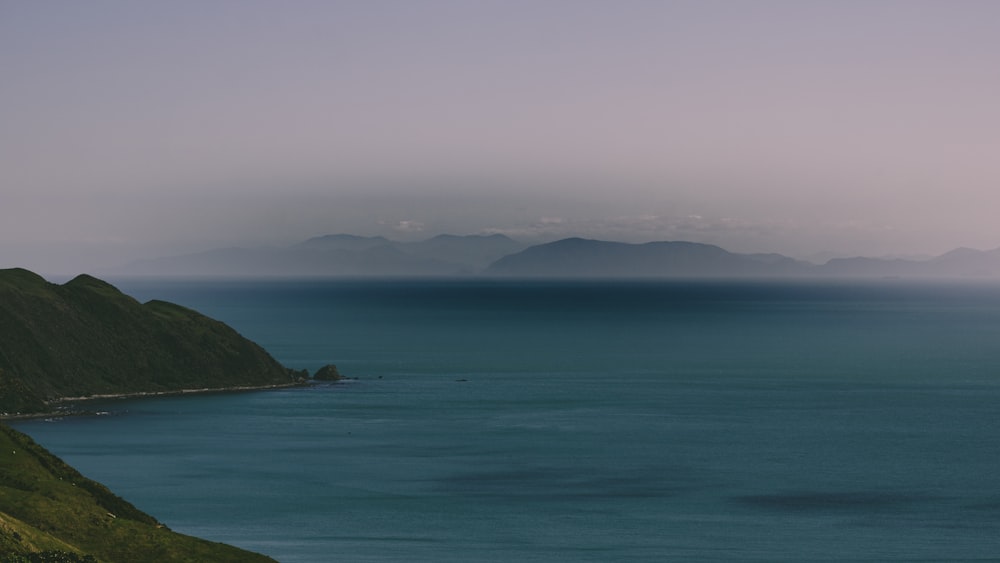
551, 421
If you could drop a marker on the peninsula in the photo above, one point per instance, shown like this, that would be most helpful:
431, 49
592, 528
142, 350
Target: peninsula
86, 339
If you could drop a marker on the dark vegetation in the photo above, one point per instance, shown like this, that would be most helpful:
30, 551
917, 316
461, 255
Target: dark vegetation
86, 338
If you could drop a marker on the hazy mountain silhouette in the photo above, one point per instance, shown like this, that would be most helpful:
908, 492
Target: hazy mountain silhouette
577, 257
352, 243
474, 251
958, 262
338, 255
498, 255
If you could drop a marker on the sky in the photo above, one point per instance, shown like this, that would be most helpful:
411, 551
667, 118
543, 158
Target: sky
805, 127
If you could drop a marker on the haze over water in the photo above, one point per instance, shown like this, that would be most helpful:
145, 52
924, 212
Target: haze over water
830, 128
588, 421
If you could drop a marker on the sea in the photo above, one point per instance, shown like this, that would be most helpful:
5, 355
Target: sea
537, 421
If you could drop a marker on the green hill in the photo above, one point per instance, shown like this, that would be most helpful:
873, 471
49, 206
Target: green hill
49, 512
86, 338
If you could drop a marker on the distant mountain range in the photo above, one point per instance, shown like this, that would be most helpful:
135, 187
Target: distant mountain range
577, 257
498, 255
593, 258
339, 255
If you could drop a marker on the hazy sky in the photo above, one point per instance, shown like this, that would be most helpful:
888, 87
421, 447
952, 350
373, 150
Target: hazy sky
149, 128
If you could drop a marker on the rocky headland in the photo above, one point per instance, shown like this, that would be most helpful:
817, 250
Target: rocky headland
85, 340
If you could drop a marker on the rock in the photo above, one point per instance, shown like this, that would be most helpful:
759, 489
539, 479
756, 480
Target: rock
327, 373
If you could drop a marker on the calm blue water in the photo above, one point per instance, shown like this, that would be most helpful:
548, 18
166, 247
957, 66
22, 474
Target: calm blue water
579, 422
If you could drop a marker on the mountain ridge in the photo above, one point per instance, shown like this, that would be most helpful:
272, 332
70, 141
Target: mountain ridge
579, 257
85, 337
337, 255
79, 340
345, 255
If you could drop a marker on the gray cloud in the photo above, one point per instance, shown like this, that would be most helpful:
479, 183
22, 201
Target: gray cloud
408, 227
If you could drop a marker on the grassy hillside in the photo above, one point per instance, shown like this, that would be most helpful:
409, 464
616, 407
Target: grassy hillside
49, 512
87, 338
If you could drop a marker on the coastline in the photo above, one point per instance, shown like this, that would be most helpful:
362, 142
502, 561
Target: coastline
141, 394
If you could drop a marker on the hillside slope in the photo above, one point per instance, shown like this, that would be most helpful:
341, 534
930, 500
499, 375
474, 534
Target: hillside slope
87, 338
47, 507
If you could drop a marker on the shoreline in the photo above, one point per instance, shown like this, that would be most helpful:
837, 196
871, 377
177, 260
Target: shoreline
143, 394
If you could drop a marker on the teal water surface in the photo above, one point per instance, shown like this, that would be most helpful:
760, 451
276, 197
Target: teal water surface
588, 421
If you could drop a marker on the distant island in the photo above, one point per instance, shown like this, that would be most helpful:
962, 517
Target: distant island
577, 257
344, 255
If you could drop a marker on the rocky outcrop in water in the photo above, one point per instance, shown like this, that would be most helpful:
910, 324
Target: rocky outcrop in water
327, 373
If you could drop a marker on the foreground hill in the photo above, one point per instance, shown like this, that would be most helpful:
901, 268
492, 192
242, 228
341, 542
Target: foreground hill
87, 338
49, 512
